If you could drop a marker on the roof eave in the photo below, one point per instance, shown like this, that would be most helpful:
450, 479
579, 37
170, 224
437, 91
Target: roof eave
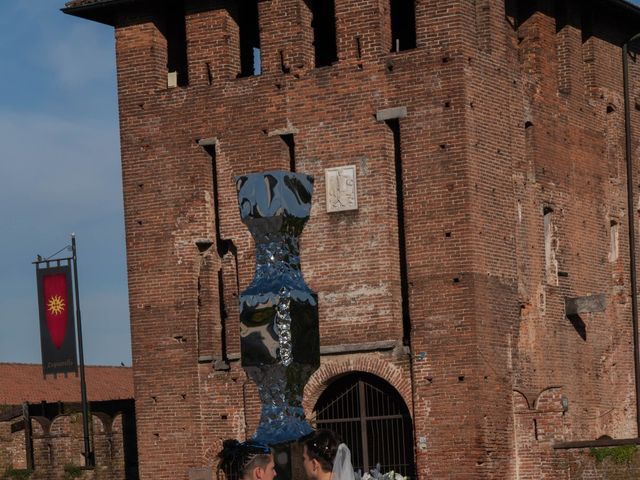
102, 11
625, 4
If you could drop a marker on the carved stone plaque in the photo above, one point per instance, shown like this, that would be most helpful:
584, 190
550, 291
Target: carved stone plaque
341, 188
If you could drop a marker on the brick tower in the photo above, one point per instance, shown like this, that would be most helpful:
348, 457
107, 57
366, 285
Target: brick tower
468, 239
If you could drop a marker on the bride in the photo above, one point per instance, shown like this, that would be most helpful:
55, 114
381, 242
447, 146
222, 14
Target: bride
325, 458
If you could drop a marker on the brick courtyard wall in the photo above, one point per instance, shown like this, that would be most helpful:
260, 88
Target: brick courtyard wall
59, 444
12, 448
5, 452
513, 174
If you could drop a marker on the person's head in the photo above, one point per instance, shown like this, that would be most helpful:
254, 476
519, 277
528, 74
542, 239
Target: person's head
319, 452
246, 461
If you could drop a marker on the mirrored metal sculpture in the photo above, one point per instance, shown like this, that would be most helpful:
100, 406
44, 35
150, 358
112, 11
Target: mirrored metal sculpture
279, 335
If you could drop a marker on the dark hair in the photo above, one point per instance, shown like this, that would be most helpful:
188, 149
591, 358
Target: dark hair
322, 445
238, 459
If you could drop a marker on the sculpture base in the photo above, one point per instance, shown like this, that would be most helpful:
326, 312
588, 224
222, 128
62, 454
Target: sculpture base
282, 418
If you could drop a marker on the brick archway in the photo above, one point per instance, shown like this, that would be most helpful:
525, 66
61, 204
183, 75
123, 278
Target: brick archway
331, 369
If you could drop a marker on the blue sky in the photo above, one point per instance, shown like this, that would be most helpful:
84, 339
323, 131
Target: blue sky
60, 174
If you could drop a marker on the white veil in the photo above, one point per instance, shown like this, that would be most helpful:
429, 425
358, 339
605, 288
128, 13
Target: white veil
342, 468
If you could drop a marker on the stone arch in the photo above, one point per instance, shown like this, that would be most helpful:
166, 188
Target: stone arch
116, 423
40, 426
549, 399
102, 422
332, 369
520, 401
61, 425
104, 441
63, 445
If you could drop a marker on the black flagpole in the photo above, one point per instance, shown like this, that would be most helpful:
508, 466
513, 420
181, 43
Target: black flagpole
88, 454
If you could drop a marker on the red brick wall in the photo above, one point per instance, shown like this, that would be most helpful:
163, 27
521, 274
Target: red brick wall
60, 443
540, 134
500, 124
12, 448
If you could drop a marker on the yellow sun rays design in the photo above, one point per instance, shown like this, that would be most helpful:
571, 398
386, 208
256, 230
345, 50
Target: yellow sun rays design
55, 305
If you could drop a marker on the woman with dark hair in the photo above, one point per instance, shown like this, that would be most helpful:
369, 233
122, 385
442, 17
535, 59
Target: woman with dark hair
246, 461
325, 457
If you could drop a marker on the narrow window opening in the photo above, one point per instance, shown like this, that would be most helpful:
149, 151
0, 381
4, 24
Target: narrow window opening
220, 244
249, 28
223, 316
209, 73
358, 48
613, 240
324, 31
291, 145
535, 428
403, 25
175, 32
551, 264
394, 125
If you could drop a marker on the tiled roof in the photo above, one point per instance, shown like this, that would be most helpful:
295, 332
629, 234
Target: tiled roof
20, 382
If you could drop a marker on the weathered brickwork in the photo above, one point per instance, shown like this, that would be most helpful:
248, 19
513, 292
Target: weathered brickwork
58, 444
12, 449
514, 200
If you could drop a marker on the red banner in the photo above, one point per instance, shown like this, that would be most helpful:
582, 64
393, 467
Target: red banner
57, 329
56, 306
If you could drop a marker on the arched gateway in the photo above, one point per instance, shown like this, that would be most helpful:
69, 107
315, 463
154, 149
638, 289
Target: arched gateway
372, 419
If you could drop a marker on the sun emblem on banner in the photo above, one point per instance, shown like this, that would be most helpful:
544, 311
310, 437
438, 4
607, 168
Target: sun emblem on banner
55, 305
